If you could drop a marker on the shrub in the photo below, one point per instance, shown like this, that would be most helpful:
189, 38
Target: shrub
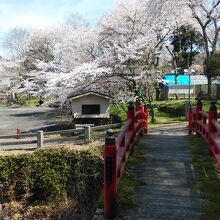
53, 175
173, 109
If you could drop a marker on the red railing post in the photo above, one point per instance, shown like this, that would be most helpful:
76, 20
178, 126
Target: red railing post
190, 118
110, 177
198, 115
131, 115
212, 115
146, 115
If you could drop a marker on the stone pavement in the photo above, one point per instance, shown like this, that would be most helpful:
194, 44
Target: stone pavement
166, 192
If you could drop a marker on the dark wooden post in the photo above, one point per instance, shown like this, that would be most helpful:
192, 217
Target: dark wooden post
198, 115
131, 116
146, 115
110, 177
212, 116
190, 114
140, 108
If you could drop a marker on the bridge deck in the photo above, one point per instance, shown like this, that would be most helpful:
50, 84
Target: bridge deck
167, 177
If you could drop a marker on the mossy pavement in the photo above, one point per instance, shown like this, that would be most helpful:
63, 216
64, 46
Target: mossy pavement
165, 179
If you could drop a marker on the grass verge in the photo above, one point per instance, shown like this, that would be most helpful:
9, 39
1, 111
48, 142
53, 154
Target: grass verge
128, 183
209, 178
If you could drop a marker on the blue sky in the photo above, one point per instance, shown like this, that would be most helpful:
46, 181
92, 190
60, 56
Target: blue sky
43, 13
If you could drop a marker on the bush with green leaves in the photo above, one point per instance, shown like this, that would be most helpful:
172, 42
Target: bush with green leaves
49, 175
173, 109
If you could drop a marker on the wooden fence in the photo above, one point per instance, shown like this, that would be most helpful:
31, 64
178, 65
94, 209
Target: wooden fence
205, 124
82, 135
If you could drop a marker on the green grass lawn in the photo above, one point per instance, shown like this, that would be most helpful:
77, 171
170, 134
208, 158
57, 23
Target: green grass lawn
22, 102
31, 102
166, 112
3, 104
162, 116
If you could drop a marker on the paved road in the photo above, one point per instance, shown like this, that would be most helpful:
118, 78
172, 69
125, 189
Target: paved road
167, 174
30, 119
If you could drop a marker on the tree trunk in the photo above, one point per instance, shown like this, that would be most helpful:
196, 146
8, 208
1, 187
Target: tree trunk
209, 95
191, 52
157, 93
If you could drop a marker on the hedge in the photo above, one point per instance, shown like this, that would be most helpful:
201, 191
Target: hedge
50, 177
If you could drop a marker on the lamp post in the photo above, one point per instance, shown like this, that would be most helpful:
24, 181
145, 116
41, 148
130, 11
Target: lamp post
190, 71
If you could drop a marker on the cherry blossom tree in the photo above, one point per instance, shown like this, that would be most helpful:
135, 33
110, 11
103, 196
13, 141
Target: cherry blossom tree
11, 76
132, 38
16, 42
76, 47
75, 21
207, 15
119, 56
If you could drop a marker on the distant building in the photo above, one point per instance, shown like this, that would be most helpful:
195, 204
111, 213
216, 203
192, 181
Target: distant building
198, 87
90, 108
169, 90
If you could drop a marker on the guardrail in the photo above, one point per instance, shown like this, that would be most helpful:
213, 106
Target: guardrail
40, 138
116, 152
205, 124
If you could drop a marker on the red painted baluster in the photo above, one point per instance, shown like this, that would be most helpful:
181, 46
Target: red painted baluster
198, 116
110, 177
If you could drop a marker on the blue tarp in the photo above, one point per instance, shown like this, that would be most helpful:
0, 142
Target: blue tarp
181, 80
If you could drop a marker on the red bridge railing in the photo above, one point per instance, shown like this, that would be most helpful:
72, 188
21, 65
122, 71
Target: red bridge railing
206, 125
117, 151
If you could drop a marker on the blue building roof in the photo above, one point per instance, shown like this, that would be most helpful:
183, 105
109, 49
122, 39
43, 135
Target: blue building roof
181, 80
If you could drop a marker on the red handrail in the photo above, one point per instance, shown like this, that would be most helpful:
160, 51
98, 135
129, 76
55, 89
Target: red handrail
205, 114
207, 126
216, 125
121, 136
117, 151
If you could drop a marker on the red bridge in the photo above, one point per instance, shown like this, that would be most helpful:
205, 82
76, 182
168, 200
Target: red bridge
167, 173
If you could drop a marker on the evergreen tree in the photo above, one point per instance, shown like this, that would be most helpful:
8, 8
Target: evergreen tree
212, 69
186, 44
